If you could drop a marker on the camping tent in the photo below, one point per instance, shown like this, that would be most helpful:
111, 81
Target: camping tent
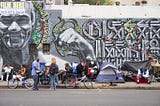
130, 68
109, 73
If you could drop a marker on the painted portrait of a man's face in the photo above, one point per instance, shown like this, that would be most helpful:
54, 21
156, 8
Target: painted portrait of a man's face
15, 30
15, 33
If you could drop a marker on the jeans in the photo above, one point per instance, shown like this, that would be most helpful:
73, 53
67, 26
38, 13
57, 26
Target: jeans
53, 81
7, 74
56, 79
36, 81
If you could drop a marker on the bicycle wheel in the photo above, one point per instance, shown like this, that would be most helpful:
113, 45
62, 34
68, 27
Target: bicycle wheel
88, 83
12, 83
69, 83
28, 83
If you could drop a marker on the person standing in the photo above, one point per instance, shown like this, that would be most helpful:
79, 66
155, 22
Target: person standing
35, 70
53, 70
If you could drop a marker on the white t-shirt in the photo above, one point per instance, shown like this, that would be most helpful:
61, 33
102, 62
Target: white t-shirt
8, 69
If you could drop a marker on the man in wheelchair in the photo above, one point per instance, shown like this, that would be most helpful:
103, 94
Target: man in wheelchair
143, 73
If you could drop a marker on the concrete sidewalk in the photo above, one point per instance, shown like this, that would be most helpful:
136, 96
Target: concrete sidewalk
126, 85
130, 85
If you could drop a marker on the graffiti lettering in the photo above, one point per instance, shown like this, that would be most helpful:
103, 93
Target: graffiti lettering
6, 5
118, 40
92, 30
18, 5
12, 5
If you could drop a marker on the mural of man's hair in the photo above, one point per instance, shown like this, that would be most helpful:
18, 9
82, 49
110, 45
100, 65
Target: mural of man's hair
29, 7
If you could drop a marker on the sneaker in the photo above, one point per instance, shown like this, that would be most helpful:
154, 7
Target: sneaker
34, 89
149, 82
50, 88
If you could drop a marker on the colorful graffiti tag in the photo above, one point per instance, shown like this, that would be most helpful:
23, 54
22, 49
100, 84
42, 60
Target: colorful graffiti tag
41, 28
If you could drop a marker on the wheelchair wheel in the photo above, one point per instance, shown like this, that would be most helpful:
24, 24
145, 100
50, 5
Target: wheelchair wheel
12, 83
28, 83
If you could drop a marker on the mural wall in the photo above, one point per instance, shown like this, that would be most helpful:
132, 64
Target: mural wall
77, 40
41, 28
15, 31
112, 40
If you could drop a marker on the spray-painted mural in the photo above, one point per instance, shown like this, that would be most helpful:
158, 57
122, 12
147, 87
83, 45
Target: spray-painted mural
112, 40
15, 32
76, 40
41, 28
21, 26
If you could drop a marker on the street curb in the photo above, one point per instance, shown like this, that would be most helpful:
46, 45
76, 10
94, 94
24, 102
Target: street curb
142, 88
127, 85
95, 87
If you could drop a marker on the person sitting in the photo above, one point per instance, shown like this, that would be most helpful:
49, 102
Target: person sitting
66, 72
68, 68
143, 73
82, 68
21, 73
46, 71
7, 70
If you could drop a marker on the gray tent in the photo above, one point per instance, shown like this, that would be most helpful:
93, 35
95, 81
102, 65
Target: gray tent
109, 73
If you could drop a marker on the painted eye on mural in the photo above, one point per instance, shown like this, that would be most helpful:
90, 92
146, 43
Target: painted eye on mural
22, 20
6, 20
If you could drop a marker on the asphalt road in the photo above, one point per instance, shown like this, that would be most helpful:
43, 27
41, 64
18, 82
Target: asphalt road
79, 97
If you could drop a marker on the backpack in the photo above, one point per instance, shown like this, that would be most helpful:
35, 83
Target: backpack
53, 69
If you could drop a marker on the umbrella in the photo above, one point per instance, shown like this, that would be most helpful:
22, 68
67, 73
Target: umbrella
156, 67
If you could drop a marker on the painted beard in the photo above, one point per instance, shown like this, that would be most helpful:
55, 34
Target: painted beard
15, 39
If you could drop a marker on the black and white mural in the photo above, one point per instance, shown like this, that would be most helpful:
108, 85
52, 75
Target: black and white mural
75, 40
15, 31
112, 40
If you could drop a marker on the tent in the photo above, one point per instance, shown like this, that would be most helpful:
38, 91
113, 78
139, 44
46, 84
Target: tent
109, 73
130, 68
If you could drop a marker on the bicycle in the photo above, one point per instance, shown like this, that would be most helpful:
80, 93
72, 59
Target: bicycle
72, 81
14, 82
